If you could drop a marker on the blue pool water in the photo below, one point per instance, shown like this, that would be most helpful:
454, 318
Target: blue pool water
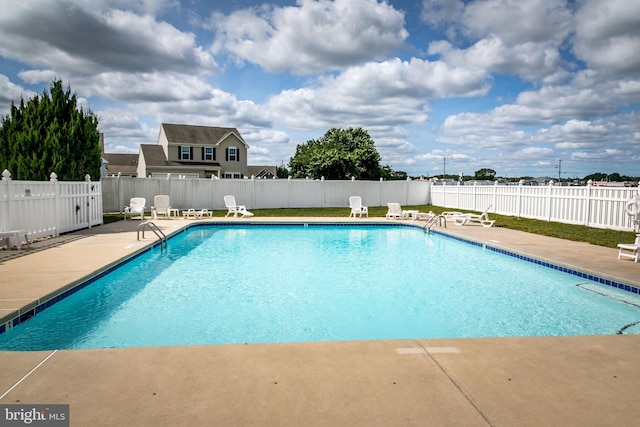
274, 283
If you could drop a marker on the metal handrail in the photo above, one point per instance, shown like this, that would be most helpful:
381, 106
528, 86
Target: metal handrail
156, 230
433, 220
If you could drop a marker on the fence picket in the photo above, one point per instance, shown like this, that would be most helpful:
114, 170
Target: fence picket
48, 208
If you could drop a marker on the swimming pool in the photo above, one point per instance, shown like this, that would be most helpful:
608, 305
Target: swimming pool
252, 283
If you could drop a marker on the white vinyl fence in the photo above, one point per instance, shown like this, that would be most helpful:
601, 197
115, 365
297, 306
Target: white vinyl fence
53, 207
260, 193
48, 208
600, 207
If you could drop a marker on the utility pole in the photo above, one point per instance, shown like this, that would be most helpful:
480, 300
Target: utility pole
444, 168
559, 171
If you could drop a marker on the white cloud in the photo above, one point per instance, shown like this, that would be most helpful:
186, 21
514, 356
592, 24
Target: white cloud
145, 87
608, 35
68, 37
389, 93
439, 13
266, 137
10, 92
124, 130
518, 22
140, 64
508, 37
315, 35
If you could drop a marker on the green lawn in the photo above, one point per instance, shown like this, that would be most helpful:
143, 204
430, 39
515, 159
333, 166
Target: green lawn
579, 233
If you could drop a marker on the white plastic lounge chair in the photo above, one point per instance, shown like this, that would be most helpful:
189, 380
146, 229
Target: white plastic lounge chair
483, 218
161, 206
451, 215
355, 204
424, 216
189, 214
197, 214
205, 213
233, 208
16, 235
136, 206
394, 210
629, 250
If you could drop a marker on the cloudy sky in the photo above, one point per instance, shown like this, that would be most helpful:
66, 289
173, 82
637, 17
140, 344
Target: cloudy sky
518, 86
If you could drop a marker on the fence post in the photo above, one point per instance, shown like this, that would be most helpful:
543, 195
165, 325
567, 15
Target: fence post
6, 212
87, 179
587, 216
253, 191
53, 178
119, 201
549, 200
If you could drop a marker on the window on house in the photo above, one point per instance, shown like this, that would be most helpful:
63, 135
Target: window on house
208, 154
185, 153
232, 154
232, 175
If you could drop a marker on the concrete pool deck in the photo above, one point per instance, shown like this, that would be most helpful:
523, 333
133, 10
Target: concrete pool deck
568, 381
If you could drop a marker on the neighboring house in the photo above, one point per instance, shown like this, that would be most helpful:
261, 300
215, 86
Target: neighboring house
194, 151
186, 151
120, 164
262, 172
117, 164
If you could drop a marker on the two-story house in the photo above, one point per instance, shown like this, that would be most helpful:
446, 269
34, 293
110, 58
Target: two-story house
194, 152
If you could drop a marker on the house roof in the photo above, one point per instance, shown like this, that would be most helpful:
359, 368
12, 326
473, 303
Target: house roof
123, 163
198, 135
261, 171
154, 156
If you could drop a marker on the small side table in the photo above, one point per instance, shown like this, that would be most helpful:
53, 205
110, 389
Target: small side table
410, 213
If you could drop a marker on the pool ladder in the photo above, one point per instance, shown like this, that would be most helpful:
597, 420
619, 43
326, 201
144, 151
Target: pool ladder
156, 230
436, 219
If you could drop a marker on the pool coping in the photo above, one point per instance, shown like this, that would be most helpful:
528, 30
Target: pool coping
11, 319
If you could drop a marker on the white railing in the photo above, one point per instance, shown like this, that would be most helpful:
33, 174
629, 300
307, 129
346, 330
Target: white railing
600, 207
260, 193
48, 208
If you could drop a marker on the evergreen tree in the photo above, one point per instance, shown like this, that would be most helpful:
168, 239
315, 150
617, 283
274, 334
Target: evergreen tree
50, 134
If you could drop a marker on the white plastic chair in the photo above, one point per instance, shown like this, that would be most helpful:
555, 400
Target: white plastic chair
161, 206
16, 235
355, 203
394, 210
233, 208
629, 250
136, 206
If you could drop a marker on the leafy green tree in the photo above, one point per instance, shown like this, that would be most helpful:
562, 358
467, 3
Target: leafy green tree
598, 176
49, 133
339, 154
282, 171
485, 174
391, 175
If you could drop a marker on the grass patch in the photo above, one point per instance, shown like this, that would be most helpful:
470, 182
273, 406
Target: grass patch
577, 233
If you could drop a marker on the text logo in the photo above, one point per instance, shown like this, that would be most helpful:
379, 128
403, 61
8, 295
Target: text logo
34, 415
